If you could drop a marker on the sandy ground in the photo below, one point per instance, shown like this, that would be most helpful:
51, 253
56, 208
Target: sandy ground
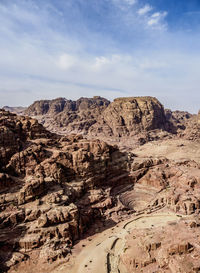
172, 149
91, 254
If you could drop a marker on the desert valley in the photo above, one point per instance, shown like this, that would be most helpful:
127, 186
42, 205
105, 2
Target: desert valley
98, 186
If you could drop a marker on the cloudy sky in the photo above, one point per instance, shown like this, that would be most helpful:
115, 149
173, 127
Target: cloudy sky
112, 48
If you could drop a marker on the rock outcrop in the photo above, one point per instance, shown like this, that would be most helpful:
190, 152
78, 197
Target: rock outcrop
170, 248
67, 115
130, 116
136, 119
127, 121
56, 189
52, 188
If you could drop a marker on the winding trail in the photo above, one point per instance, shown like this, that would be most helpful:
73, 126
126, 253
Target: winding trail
100, 253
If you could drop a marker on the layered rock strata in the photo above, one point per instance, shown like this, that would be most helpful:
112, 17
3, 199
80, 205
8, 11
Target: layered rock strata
67, 115
54, 189
129, 121
51, 189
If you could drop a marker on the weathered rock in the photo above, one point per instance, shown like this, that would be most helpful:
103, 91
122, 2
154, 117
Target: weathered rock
5, 181
162, 249
130, 116
71, 116
53, 188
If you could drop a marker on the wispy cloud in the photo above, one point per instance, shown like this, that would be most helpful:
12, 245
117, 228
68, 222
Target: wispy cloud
130, 2
125, 2
145, 9
83, 48
157, 19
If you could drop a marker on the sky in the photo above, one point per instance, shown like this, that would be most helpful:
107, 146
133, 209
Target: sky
111, 48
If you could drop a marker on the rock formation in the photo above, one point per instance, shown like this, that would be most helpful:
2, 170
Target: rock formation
67, 115
126, 121
170, 249
51, 188
130, 116
58, 189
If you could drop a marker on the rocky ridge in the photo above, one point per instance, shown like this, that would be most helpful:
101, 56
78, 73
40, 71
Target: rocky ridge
67, 115
129, 116
16, 110
52, 189
58, 189
125, 121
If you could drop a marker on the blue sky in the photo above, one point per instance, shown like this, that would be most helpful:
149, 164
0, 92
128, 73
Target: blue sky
112, 48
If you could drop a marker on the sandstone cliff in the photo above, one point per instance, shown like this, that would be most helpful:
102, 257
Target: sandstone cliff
67, 115
51, 189
132, 120
130, 116
54, 189
129, 121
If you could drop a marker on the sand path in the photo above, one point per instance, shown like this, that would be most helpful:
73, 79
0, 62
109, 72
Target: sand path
100, 253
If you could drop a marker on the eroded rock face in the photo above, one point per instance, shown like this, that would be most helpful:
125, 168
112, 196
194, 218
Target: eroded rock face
67, 115
178, 119
52, 188
97, 117
130, 121
192, 131
129, 116
15, 131
171, 248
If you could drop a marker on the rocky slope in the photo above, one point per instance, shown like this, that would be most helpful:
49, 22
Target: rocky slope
58, 193
97, 116
67, 115
129, 116
51, 189
127, 122
161, 235
170, 247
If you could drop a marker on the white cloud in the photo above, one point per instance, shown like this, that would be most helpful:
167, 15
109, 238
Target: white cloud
142, 11
156, 15
156, 19
66, 61
130, 2
47, 61
123, 4
102, 61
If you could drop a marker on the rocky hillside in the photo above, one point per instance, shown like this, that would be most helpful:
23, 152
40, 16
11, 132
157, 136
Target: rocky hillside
67, 115
130, 116
126, 121
51, 189
56, 190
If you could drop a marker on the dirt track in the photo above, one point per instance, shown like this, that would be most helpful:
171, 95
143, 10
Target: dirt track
100, 253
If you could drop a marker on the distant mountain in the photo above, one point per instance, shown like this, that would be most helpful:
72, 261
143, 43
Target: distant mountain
16, 110
125, 120
97, 116
62, 115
